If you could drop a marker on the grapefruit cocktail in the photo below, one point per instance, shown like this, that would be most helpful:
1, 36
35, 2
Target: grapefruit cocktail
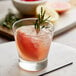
32, 47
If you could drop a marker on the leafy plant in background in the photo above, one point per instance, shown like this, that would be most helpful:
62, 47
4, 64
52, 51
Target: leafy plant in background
9, 20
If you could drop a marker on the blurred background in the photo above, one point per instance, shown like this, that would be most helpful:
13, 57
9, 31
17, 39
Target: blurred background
68, 37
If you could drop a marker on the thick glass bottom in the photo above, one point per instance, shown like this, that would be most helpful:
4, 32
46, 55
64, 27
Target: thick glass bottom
32, 66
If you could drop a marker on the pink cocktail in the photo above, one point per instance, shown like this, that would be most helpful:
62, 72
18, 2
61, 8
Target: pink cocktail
32, 47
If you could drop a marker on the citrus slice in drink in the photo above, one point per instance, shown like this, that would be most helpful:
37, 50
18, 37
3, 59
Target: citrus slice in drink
54, 16
27, 48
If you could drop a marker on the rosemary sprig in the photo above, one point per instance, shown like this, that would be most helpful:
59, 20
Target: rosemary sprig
41, 20
9, 20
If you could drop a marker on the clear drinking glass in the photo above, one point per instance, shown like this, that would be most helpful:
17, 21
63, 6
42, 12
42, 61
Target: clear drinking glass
33, 48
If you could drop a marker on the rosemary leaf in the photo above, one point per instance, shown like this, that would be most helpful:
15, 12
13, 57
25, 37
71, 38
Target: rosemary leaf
41, 11
39, 17
46, 18
41, 20
43, 15
43, 26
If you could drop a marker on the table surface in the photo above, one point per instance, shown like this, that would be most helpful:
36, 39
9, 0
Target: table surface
59, 55
68, 37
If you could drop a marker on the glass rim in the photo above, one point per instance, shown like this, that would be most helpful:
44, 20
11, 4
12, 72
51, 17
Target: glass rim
32, 19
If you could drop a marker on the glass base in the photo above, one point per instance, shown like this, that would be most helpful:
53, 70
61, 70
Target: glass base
32, 66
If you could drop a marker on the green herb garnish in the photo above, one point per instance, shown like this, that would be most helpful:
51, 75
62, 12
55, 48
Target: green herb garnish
9, 20
41, 20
